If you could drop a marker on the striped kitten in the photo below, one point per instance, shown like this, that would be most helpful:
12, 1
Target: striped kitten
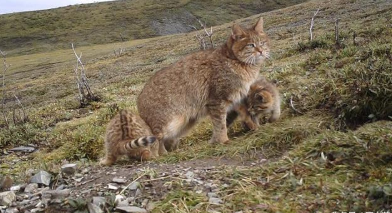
263, 99
127, 134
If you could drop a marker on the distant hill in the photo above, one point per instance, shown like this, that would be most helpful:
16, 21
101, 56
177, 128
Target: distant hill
106, 22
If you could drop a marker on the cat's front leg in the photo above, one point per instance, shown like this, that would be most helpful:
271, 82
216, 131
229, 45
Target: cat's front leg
217, 114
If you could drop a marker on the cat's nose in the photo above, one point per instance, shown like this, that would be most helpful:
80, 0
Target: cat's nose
259, 50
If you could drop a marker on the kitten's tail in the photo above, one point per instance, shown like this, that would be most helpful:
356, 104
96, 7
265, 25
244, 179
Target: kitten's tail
140, 142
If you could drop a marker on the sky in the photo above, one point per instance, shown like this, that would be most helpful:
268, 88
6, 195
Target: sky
10, 6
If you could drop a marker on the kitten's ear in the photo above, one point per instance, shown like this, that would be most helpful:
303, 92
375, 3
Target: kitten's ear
259, 26
237, 32
259, 97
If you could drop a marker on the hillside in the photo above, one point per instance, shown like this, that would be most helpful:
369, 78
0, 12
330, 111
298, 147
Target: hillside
116, 21
330, 151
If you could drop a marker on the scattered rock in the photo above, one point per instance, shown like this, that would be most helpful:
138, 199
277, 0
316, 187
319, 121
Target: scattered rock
6, 183
112, 187
16, 188
150, 206
215, 201
131, 209
212, 194
27, 149
119, 180
99, 200
92, 208
56, 194
6, 198
134, 186
138, 193
69, 169
12, 210
31, 188
41, 177
190, 175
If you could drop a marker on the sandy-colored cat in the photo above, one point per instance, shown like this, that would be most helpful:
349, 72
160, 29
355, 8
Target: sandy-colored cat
263, 99
205, 83
127, 134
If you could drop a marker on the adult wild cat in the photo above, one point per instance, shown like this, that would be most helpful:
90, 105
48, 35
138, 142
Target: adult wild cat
205, 83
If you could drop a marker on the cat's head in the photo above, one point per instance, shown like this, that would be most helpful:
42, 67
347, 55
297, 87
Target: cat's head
250, 46
259, 100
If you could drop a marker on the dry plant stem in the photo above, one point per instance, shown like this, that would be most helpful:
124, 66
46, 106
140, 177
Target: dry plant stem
337, 31
25, 118
292, 106
3, 88
122, 191
81, 80
312, 24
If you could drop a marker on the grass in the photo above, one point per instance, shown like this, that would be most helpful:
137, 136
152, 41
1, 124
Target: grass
332, 153
118, 21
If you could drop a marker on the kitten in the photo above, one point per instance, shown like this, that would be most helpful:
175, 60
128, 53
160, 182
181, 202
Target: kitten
263, 99
205, 83
127, 134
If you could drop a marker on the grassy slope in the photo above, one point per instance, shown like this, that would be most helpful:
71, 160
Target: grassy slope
108, 22
322, 168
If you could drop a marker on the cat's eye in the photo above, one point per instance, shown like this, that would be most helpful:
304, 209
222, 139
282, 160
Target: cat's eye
262, 43
251, 45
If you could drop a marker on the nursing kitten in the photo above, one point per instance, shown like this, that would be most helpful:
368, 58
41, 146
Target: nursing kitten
205, 83
263, 99
127, 134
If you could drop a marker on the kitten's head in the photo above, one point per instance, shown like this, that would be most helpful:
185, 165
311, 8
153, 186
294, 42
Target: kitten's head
259, 100
250, 46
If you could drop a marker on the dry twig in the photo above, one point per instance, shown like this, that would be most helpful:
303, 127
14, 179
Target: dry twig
312, 24
85, 93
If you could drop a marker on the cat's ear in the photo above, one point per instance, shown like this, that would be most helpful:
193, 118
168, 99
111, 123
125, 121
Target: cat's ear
259, 26
237, 32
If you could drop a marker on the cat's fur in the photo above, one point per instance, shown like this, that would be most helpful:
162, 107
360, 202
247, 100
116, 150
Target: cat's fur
205, 83
127, 134
263, 99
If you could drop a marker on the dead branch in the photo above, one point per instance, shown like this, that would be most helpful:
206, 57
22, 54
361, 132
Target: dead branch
312, 24
6, 66
203, 37
85, 93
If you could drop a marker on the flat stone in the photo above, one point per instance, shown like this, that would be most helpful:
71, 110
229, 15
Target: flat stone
119, 180
16, 188
112, 187
99, 200
6, 198
92, 208
27, 149
69, 169
131, 209
215, 201
31, 188
41, 177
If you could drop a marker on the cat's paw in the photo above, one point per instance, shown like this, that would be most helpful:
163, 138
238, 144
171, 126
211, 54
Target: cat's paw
221, 140
105, 162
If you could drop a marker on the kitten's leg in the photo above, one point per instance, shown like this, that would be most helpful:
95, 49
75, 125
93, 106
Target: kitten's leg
218, 117
171, 145
108, 160
160, 136
246, 117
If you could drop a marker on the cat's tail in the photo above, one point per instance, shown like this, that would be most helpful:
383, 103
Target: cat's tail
140, 142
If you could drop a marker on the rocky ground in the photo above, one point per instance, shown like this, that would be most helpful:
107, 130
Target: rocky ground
134, 187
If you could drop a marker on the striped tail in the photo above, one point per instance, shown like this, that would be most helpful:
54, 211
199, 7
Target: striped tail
140, 142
